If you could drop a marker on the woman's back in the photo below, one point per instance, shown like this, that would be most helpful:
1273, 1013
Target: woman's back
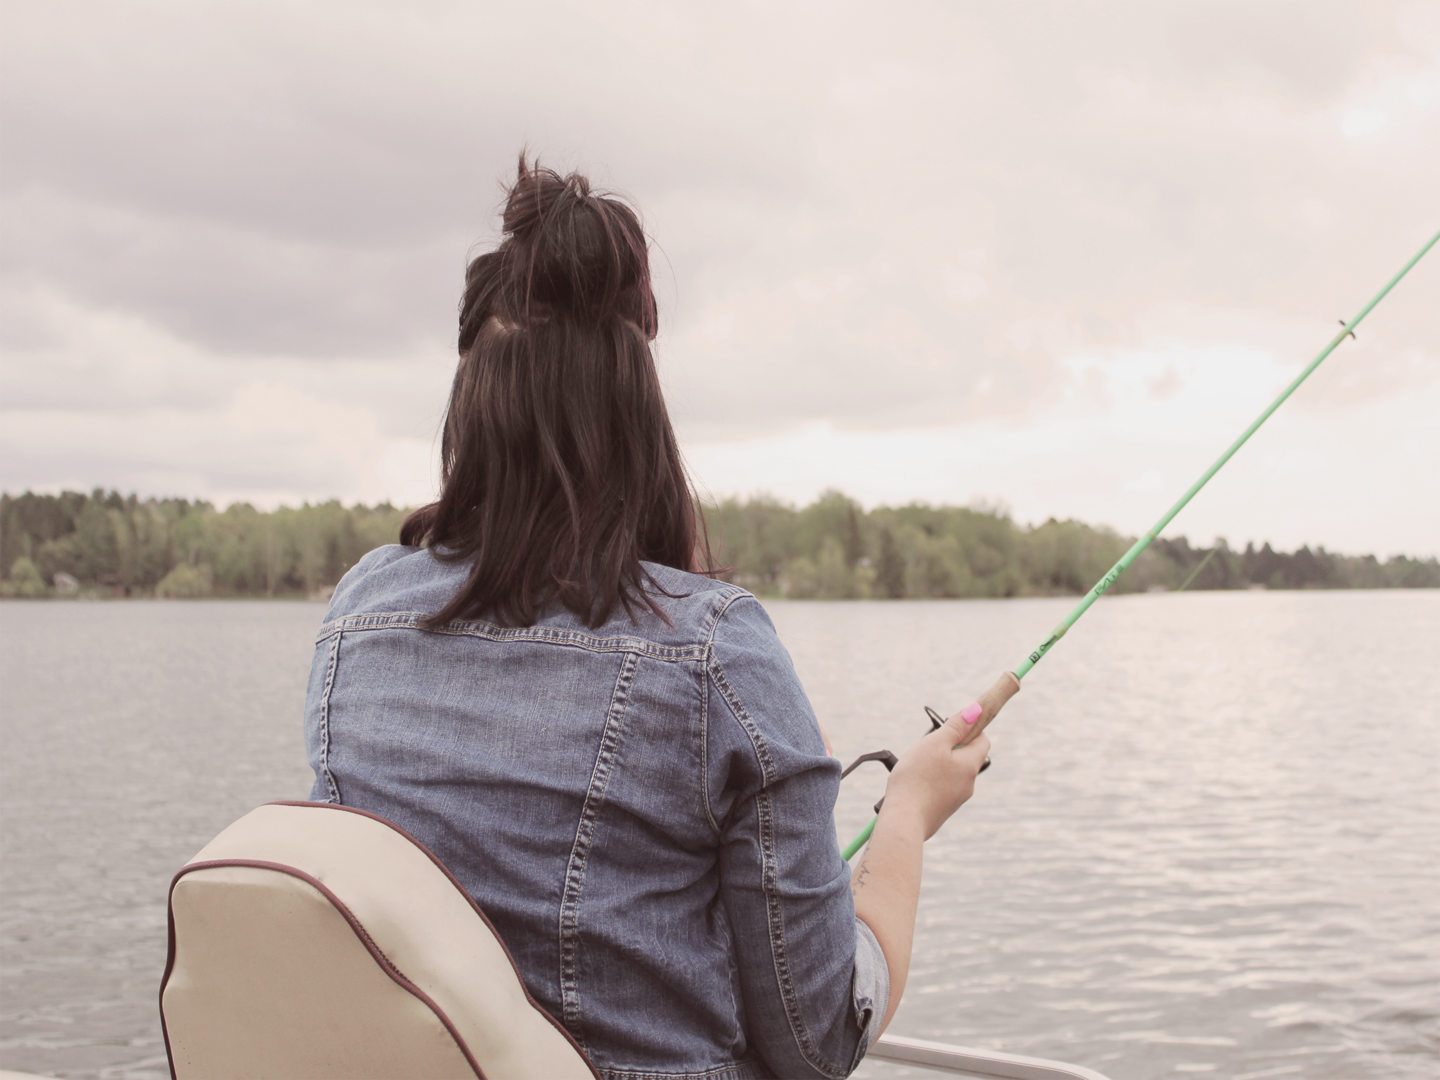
613, 754
642, 809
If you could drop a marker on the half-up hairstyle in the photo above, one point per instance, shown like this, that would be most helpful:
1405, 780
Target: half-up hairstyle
559, 468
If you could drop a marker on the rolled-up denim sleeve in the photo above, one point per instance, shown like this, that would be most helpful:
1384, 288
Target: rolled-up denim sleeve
814, 981
872, 982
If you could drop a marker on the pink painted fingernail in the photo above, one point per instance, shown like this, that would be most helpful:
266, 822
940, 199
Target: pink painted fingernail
971, 712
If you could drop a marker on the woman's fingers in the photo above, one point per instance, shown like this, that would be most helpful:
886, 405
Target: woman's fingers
974, 753
963, 765
935, 777
974, 718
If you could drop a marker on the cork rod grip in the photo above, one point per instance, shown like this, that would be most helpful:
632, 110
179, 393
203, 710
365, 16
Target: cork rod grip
991, 702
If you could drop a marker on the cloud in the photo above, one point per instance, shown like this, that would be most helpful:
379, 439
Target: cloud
162, 415
1305, 477
867, 221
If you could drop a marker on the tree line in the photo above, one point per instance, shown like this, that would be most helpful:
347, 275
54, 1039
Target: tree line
835, 549
127, 546
109, 544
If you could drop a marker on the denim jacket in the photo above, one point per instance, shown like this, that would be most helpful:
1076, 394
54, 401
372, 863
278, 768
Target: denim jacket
643, 811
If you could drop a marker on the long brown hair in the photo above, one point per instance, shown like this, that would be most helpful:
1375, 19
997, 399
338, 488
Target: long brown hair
559, 468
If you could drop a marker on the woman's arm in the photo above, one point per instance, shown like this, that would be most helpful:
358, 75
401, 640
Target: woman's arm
929, 783
812, 979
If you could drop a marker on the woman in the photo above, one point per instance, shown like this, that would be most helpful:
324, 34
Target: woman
610, 750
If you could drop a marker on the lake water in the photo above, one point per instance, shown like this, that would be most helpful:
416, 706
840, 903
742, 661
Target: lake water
1209, 845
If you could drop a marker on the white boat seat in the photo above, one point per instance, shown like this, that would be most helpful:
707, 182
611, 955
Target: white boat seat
310, 940
316, 941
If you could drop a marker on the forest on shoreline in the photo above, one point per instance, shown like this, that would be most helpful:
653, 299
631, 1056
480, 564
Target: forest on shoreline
106, 544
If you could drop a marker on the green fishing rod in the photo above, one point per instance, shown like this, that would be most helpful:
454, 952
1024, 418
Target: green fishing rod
979, 714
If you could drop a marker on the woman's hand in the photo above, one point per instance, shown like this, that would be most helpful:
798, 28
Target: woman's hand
934, 779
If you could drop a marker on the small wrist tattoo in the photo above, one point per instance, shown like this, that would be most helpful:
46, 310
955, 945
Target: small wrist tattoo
857, 882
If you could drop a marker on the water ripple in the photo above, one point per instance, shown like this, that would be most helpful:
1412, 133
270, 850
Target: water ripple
1207, 846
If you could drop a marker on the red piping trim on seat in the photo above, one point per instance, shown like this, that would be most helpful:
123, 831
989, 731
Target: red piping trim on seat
469, 900
386, 965
170, 955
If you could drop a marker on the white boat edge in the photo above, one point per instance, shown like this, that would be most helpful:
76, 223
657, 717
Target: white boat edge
963, 1061
966, 1061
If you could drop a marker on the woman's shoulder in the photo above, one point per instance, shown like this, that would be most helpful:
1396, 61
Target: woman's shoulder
685, 588
707, 611
394, 579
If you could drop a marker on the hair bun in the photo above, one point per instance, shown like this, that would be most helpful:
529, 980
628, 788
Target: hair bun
572, 253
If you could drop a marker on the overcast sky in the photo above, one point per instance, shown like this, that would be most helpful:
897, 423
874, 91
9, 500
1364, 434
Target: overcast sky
1054, 256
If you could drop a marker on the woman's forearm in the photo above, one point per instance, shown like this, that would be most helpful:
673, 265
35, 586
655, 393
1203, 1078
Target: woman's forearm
927, 785
886, 887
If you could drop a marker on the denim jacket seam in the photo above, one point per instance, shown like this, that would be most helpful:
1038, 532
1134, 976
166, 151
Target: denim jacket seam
705, 745
722, 605
584, 841
764, 814
331, 664
723, 600
409, 620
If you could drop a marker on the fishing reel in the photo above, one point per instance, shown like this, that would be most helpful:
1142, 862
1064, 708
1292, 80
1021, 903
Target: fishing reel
889, 760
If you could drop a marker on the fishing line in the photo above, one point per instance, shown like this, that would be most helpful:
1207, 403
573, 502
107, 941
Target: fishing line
1196, 572
981, 712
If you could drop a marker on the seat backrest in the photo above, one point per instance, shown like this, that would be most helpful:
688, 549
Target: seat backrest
311, 940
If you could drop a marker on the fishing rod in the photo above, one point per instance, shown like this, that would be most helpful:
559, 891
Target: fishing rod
978, 714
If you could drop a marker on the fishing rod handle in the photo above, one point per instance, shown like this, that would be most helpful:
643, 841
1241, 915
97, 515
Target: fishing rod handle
990, 703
